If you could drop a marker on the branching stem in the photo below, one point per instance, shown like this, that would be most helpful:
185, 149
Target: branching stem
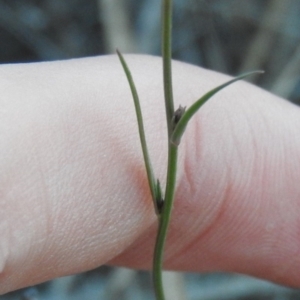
176, 122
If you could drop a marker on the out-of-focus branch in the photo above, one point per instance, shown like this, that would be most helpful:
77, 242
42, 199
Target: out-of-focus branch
41, 45
239, 287
117, 30
174, 285
119, 281
263, 41
289, 77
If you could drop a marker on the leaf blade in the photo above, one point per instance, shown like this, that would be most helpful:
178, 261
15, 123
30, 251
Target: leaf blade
189, 113
150, 175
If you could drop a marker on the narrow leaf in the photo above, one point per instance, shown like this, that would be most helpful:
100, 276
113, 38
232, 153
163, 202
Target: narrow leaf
150, 175
186, 117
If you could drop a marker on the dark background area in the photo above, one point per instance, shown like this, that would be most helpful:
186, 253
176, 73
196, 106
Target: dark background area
229, 36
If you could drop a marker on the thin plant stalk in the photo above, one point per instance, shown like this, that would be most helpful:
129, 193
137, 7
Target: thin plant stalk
167, 55
175, 131
164, 220
164, 217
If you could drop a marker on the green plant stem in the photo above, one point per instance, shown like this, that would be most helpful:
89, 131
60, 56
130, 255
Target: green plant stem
165, 215
167, 55
164, 220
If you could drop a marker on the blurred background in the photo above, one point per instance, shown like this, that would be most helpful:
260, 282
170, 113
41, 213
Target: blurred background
229, 36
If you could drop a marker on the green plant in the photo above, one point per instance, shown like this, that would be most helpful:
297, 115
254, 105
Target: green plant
177, 121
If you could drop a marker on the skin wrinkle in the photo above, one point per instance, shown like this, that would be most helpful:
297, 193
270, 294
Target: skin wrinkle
255, 176
258, 157
137, 172
206, 231
114, 143
280, 273
285, 220
227, 195
208, 219
43, 186
249, 168
234, 134
252, 135
264, 169
275, 234
61, 170
186, 178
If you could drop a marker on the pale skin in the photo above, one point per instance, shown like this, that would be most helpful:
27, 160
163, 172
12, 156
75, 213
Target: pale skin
73, 189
